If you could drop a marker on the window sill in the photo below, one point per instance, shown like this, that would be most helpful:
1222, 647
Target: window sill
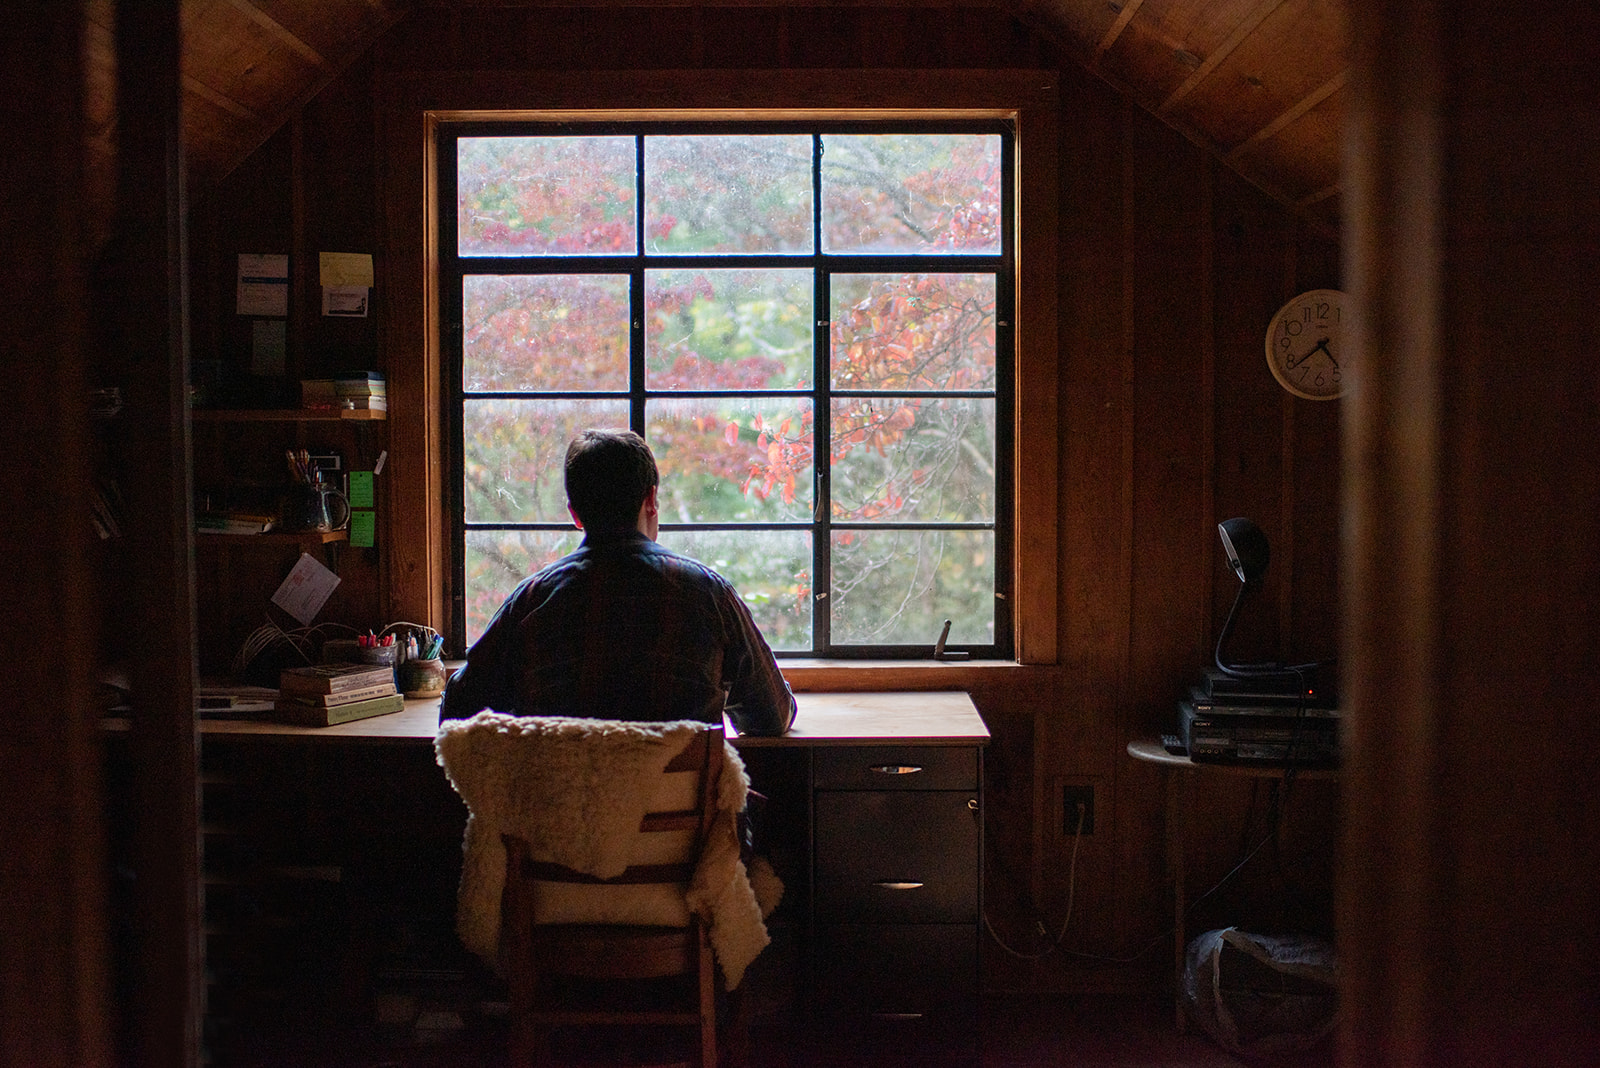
813, 675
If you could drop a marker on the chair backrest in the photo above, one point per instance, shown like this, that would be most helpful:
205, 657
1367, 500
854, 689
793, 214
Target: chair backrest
650, 892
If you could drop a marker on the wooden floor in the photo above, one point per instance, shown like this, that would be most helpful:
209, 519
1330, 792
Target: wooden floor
1081, 1031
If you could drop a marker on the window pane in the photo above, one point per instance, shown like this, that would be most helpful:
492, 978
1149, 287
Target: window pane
897, 193
728, 329
727, 193
770, 569
545, 196
913, 459
544, 332
515, 454
732, 460
912, 331
897, 587
496, 560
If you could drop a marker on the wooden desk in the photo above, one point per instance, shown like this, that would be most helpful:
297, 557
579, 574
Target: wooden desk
880, 800
1154, 753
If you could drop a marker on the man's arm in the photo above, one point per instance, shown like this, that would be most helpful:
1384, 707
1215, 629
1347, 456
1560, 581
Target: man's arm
759, 701
484, 681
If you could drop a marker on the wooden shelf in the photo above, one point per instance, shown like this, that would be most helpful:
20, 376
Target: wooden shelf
275, 537
287, 415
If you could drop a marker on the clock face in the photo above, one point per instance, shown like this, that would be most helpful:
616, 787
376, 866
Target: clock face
1305, 345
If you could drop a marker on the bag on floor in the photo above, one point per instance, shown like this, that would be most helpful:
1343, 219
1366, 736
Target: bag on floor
1261, 995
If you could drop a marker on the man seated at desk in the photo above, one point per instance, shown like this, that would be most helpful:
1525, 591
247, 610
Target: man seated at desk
623, 628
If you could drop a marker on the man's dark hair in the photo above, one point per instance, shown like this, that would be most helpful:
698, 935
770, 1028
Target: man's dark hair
609, 474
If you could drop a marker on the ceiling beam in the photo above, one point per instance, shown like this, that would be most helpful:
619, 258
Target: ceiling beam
1245, 28
222, 100
274, 27
1305, 104
1124, 17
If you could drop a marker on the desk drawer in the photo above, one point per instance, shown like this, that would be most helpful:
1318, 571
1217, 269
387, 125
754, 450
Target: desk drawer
896, 856
888, 971
900, 767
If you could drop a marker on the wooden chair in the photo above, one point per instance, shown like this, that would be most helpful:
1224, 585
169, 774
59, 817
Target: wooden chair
541, 960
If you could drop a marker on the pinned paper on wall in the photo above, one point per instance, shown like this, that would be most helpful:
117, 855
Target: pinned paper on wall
349, 302
305, 589
363, 529
361, 489
263, 284
345, 269
346, 279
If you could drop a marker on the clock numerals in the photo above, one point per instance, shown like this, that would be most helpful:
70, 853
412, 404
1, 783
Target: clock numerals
1304, 343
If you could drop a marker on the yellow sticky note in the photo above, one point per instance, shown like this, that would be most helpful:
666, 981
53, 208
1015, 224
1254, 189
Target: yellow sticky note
345, 268
363, 529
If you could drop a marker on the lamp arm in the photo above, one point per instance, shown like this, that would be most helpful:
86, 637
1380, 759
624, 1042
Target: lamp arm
1227, 630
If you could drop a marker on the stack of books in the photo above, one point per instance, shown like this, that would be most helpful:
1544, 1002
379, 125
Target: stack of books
325, 694
318, 393
362, 390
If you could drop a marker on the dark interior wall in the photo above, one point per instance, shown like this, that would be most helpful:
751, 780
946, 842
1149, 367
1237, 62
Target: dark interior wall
1169, 421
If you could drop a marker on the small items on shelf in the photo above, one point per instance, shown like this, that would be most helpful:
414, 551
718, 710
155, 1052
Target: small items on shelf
234, 522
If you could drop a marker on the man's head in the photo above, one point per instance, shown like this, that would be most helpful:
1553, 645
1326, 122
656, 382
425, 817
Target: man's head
611, 474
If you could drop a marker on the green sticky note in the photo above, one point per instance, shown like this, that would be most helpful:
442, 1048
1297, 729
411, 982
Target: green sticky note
361, 489
363, 528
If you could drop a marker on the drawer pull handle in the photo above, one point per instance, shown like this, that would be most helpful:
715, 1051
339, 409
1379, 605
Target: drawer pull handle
895, 769
892, 884
897, 1016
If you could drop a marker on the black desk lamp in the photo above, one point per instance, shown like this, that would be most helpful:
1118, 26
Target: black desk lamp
1248, 554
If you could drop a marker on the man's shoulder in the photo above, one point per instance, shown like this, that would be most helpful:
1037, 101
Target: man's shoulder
688, 566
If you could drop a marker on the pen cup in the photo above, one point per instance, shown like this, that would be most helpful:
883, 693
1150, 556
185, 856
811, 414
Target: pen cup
422, 678
383, 654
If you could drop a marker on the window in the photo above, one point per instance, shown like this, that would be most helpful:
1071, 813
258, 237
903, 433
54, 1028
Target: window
738, 293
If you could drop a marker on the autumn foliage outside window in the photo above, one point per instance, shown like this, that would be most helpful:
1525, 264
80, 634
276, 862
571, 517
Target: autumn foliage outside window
807, 326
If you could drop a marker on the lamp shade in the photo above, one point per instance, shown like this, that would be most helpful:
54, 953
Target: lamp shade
1246, 547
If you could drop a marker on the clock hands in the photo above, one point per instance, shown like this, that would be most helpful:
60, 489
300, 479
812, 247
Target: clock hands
1322, 343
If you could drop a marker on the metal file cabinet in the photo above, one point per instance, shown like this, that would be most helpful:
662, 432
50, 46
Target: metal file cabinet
896, 898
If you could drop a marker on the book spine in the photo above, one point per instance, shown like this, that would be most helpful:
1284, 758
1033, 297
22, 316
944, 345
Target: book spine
317, 685
333, 715
343, 697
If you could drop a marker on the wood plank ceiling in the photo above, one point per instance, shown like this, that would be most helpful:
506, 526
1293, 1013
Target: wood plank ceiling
1257, 82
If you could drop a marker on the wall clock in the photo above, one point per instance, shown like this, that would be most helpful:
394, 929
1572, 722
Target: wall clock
1305, 345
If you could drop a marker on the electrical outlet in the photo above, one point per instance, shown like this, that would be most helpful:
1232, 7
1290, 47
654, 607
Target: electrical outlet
1073, 795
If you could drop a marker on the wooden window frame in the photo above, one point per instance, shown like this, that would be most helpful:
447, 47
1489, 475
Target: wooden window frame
412, 107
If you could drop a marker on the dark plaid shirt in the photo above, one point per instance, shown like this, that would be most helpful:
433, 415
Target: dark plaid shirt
624, 629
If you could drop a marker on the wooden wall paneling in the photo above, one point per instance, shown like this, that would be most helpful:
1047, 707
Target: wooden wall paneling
1310, 623
1094, 388
824, 38
1172, 339
747, 37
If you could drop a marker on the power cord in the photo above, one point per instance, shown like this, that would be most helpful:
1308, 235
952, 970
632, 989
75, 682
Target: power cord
1072, 872
1072, 884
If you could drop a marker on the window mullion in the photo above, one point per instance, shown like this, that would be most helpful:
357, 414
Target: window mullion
821, 422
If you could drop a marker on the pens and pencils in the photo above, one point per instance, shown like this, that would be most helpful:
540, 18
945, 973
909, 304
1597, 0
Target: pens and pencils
301, 468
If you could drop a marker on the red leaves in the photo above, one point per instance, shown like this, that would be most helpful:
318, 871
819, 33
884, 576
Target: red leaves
731, 436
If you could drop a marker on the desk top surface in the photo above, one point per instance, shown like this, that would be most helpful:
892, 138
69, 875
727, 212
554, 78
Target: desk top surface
916, 718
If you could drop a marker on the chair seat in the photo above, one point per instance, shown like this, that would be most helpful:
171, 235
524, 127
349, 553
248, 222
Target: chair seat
604, 951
